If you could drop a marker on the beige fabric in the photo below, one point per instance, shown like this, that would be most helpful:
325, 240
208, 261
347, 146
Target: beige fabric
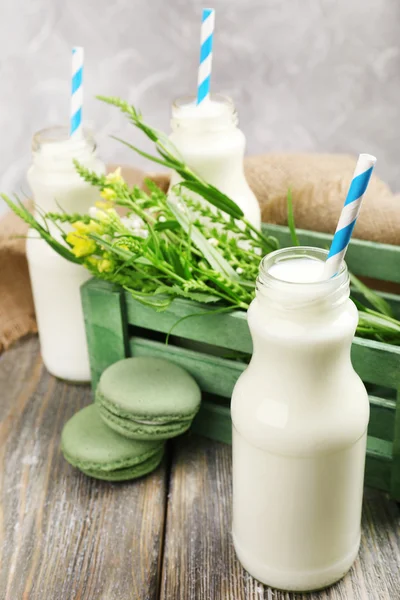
319, 184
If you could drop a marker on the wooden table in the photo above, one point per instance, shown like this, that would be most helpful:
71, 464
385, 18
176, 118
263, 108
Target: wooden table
65, 536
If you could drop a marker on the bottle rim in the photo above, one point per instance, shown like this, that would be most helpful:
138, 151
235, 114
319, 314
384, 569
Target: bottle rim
200, 119
294, 294
60, 133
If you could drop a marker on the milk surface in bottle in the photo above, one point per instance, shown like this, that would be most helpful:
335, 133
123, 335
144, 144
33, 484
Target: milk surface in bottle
300, 416
56, 186
210, 142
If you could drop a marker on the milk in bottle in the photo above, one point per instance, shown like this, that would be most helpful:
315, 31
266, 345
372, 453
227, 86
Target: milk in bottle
56, 187
300, 416
210, 142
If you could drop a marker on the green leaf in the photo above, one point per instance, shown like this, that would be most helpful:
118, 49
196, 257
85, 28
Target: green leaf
142, 153
372, 297
379, 323
159, 302
291, 223
163, 225
175, 262
211, 254
214, 196
24, 214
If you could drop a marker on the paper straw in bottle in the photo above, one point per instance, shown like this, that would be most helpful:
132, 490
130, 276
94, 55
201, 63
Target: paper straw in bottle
349, 214
206, 43
76, 92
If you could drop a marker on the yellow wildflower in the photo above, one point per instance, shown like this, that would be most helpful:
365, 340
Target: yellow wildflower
115, 176
105, 265
93, 261
103, 205
83, 228
81, 245
108, 194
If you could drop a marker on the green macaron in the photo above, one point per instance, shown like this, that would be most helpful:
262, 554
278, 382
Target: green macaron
147, 398
88, 444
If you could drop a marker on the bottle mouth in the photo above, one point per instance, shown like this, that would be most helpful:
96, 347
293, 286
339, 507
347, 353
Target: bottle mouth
213, 114
298, 290
58, 137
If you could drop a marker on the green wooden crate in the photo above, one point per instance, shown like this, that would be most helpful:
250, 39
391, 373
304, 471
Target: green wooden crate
118, 326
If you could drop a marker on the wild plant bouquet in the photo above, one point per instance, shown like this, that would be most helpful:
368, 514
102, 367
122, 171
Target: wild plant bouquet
169, 246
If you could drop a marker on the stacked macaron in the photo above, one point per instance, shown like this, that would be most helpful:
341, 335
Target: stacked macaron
139, 403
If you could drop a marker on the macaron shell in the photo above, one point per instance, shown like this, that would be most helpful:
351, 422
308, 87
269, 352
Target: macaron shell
127, 473
149, 388
140, 431
88, 444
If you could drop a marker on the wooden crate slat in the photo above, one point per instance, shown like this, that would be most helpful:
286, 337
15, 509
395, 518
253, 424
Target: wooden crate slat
376, 362
370, 259
392, 299
226, 330
106, 325
382, 418
214, 421
395, 481
214, 375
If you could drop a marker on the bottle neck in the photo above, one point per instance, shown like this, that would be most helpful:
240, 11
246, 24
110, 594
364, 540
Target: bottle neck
292, 281
53, 150
218, 114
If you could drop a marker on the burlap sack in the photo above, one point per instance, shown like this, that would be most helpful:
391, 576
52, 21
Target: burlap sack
319, 184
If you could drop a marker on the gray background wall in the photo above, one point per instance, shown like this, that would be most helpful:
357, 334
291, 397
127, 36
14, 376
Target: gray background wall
312, 75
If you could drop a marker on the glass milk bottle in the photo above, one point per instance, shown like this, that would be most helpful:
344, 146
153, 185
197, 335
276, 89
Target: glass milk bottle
300, 416
210, 142
56, 186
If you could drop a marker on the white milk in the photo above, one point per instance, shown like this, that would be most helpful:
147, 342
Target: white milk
211, 144
56, 281
300, 414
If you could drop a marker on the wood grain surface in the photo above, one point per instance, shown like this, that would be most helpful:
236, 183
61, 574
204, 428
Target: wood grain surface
64, 536
199, 561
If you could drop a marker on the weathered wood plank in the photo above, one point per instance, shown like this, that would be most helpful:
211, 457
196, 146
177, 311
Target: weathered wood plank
199, 560
65, 536
370, 259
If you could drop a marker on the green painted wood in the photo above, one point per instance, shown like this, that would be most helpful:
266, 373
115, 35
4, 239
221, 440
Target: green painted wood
214, 422
376, 362
382, 418
370, 259
214, 375
379, 464
106, 325
392, 299
224, 330
395, 481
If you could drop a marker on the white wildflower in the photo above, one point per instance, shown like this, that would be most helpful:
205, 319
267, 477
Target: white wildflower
93, 211
213, 242
161, 219
239, 270
132, 222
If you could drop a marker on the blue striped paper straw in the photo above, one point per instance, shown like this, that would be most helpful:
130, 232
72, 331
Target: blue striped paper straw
349, 214
204, 76
76, 92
